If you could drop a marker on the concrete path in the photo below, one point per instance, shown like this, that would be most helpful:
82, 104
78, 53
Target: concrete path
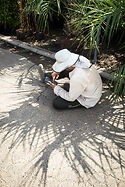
40, 146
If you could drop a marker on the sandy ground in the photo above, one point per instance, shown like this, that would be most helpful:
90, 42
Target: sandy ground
40, 146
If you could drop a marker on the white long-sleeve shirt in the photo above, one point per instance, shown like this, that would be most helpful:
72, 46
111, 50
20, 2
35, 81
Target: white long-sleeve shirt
85, 86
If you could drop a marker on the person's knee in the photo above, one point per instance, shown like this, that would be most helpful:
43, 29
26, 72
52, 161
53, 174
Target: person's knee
59, 103
56, 103
66, 86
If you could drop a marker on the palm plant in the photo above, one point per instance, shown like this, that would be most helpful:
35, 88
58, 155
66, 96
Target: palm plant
43, 11
88, 17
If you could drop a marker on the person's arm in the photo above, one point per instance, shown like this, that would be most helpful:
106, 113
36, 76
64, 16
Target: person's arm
75, 90
55, 76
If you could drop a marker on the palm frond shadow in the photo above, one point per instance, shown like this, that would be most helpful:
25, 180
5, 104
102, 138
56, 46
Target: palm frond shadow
95, 135
90, 140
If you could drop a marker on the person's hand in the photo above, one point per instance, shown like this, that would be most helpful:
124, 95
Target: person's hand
52, 85
55, 76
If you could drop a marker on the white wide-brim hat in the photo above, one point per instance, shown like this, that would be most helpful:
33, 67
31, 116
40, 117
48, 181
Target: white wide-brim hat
64, 59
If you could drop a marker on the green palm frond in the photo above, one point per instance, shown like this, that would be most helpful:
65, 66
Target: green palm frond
44, 10
88, 19
117, 84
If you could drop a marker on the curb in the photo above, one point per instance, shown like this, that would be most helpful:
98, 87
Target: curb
24, 45
40, 51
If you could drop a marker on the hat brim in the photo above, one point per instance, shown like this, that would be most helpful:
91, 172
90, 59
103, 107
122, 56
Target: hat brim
59, 67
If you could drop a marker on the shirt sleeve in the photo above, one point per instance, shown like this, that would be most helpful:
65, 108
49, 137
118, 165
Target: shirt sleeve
76, 89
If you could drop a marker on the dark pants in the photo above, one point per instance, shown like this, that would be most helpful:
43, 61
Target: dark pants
60, 103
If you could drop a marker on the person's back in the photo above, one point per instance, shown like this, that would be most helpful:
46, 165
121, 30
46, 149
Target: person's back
91, 83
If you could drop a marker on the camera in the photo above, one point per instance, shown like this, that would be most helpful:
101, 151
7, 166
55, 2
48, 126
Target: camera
49, 80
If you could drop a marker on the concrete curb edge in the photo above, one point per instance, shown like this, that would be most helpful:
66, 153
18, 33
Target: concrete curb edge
41, 51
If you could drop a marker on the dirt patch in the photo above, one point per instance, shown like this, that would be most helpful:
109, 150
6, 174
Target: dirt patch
108, 59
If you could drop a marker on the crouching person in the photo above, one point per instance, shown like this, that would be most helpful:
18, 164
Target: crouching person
85, 84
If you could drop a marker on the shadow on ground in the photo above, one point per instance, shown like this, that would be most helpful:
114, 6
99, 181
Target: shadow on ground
90, 141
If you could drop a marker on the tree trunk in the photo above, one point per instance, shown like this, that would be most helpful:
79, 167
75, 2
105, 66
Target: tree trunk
5, 24
21, 14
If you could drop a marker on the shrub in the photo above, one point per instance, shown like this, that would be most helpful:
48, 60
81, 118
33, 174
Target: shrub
9, 18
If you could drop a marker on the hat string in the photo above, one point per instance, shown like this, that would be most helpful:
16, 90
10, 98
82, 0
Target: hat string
78, 59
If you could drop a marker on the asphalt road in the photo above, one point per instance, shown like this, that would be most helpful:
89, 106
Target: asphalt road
40, 146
